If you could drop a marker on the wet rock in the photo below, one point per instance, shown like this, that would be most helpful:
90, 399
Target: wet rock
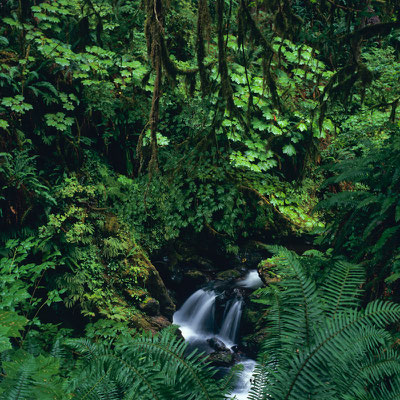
178, 334
217, 344
150, 306
202, 264
222, 358
250, 318
251, 344
235, 348
176, 278
249, 256
157, 289
187, 282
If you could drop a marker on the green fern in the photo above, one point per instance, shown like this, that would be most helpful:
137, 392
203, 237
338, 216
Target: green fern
26, 377
365, 217
342, 287
144, 367
320, 344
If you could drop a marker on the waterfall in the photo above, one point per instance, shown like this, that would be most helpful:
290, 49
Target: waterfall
196, 316
231, 323
196, 320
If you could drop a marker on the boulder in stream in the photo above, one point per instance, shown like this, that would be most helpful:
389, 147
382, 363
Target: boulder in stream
265, 271
229, 274
222, 358
217, 344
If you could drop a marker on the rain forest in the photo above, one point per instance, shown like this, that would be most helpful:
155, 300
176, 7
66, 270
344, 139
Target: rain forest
199, 199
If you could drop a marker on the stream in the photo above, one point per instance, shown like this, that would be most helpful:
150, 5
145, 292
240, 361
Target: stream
210, 320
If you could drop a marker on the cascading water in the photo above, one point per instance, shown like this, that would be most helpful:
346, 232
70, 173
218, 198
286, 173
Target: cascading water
251, 281
230, 324
196, 317
197, 322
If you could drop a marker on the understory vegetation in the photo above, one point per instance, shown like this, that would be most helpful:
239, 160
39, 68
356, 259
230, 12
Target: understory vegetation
140, 139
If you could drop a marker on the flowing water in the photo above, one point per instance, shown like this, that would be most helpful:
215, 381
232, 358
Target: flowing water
196, 316
243, 384
251, 281
198, 323
231, 322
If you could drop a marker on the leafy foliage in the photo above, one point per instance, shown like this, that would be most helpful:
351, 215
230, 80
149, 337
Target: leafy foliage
103, 270
29, 377
21, 278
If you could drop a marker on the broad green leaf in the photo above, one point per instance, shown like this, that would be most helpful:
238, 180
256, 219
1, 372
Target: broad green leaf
289, 150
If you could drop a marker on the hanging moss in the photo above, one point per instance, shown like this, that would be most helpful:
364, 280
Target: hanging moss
259, 39
203, 32
226, 87
153, 32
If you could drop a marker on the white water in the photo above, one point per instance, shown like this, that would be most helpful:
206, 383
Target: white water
243, 384
231, 323
196, 320
251, 281
196, 317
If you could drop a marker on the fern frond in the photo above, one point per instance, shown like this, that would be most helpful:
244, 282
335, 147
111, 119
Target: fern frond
145, 367
379, 366
28, 377
260, 384
299, 298
227, 384
18, 383
385, 391
342, 287
341, 200
336, 334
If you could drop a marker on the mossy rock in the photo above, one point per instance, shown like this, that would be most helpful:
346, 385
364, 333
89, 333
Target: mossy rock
115, 274
194, 274
136, 293
229, 274
251, 344
158, 322
140, 323
157, 289
150, 307
201, 263
265, 271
